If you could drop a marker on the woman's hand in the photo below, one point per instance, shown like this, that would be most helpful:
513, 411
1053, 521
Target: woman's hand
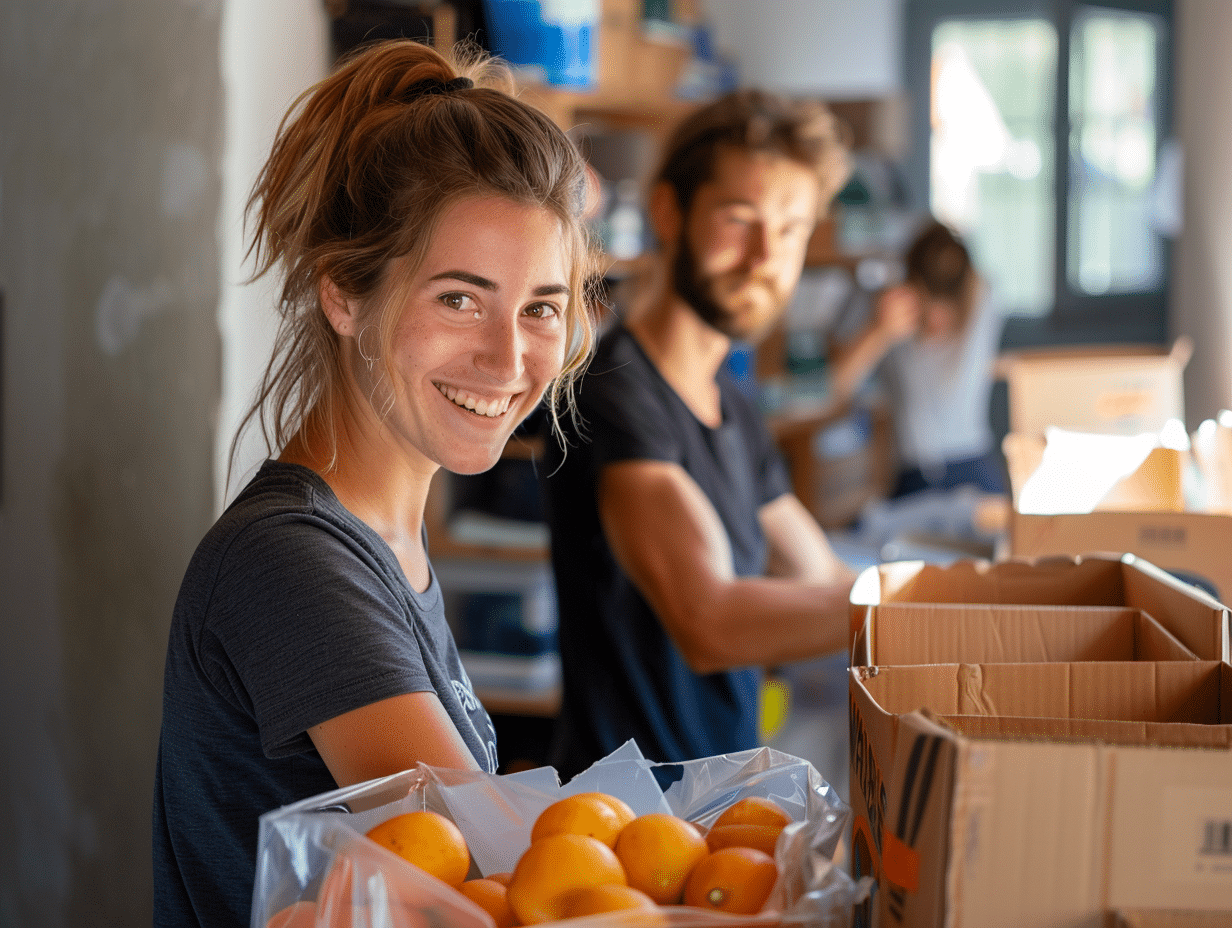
897, 316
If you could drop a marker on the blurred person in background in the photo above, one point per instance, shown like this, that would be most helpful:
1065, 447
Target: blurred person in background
684, 564
932, 342
933, 339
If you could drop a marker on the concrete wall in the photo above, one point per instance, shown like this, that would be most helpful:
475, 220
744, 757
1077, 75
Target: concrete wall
113, 232
112, 116
1202, 281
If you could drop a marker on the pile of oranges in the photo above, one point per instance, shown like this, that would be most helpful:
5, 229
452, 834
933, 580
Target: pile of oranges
589, 854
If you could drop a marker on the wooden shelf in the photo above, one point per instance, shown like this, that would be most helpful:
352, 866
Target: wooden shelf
572, 108
636, 75
834, 490
805, 420
503, 701
825, 251
441, 545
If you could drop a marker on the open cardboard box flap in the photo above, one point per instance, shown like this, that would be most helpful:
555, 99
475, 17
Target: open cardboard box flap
1212, 453
944, 633
1067, 473
1184, 692
1141, 514
1196, 619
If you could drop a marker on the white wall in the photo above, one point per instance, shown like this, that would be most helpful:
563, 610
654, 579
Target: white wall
271, 52
842, 49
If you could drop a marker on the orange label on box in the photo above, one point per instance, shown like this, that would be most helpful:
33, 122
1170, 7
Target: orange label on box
900, 862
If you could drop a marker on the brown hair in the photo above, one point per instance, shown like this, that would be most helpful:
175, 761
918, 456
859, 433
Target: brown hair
758, 122
938, 264
363, 165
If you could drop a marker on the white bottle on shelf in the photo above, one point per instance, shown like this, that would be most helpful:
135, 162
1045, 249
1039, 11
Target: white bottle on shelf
625, 223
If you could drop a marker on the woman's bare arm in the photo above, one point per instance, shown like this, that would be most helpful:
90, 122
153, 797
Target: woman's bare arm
390, 736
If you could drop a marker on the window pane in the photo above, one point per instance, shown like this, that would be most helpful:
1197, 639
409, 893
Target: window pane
992, 151
1113, 115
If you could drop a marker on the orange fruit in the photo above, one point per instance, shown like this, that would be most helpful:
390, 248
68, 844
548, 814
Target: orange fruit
762, 837
554, 866
429, 841
732, 879
580, 814
753, 810
492, 897
502, 878
606, 897
619, 806
658, 850
296, 915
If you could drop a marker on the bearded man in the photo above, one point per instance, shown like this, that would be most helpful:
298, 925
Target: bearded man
684, 564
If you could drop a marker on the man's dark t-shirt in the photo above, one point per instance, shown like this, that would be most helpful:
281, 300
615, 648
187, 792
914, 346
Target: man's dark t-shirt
623, 677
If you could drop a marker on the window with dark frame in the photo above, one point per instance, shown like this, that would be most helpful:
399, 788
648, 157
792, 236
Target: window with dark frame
1041, 131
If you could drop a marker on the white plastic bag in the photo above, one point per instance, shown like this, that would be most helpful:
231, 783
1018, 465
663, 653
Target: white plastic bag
316, 868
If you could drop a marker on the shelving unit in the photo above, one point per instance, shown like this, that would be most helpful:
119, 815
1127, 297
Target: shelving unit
443, 544
637, 72
506, 565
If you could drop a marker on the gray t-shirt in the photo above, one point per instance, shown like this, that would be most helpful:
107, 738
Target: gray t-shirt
292, 612
942, 389
939, 390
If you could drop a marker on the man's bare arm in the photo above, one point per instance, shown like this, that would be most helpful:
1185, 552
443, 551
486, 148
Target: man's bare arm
670, 541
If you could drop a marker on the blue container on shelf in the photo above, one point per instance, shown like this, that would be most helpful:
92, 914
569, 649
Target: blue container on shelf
554, 39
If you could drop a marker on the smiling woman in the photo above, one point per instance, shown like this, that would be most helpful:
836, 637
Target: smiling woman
426, 226
480, 335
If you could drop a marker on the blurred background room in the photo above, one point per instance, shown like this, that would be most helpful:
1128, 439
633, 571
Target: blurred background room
1079, 149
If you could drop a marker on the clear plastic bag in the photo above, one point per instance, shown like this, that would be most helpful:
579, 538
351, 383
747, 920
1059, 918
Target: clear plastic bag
316, 868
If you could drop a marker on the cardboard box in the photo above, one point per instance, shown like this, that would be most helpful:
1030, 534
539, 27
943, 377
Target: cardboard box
1169, 918
1041, 794
1192, 546
927, 633
1139, 692
1211, 442
1120, 390
1141, 515
1157, 484
1196, 620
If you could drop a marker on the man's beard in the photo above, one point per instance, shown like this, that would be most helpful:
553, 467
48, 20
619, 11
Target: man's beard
698, 290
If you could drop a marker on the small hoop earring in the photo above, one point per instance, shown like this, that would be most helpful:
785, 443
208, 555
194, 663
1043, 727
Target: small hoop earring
359, 344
